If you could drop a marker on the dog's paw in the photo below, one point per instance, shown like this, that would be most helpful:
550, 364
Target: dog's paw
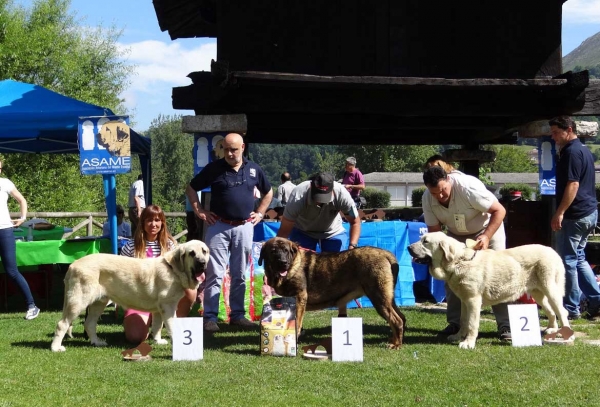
467, 344
548, 331
58, 349
161, 342
99, 343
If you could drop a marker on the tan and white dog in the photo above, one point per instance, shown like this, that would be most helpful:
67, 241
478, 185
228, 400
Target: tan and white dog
488, 277
155, 285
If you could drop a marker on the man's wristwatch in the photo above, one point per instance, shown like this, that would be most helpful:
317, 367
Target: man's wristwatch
354, 246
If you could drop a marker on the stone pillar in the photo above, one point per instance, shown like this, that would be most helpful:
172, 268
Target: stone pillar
469, 158
209, 131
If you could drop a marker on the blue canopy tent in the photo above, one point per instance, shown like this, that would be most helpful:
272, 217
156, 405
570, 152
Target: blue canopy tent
34, 119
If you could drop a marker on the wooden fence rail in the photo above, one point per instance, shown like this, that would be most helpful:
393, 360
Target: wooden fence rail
90, 220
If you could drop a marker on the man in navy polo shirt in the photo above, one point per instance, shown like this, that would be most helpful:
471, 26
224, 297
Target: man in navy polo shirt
230, 223
576, 215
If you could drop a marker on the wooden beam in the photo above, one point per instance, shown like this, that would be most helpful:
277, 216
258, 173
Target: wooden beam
214, 123
393, 80
592, 100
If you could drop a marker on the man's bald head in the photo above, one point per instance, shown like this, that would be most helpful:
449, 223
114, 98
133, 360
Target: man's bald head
233, 147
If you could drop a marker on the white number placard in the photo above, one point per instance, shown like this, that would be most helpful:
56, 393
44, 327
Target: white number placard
347, 340
188, 339
524, 325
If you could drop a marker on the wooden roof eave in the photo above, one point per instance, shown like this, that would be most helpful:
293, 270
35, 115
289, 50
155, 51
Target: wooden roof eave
249, 91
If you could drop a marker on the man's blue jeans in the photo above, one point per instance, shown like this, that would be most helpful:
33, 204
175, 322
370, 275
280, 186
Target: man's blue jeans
228, 245
570, 244
334, 244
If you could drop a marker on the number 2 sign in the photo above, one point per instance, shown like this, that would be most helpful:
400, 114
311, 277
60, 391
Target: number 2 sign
524, 325
346, 340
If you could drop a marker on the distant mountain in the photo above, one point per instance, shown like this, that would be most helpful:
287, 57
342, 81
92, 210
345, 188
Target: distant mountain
586, 55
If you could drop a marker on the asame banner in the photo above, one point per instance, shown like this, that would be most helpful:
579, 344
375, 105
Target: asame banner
104, 145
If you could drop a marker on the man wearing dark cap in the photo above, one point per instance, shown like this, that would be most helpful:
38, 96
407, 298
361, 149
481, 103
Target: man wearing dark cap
312, 216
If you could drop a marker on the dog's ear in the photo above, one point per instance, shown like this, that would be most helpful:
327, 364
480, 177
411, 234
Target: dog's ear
174, 255
449, 251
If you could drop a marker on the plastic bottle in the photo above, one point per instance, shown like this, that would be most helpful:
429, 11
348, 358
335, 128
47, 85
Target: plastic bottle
30, 233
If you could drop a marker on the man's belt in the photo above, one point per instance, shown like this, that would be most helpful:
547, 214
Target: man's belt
234, 222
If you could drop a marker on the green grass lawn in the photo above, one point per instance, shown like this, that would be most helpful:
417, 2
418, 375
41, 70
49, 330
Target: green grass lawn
427, 371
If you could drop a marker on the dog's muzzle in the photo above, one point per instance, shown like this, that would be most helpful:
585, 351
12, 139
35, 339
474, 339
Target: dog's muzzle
198, 270
417, 257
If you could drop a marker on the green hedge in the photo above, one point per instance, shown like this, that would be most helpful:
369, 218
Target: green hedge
376, 198
417, 197
526, 191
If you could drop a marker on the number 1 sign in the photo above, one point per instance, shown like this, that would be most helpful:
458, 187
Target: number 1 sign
524, 325
346, 340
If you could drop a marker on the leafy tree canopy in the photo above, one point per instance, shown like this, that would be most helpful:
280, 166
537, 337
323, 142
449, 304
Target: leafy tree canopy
511, 159
44, 45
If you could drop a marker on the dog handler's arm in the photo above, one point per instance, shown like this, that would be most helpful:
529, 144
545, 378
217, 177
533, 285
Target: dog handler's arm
192, 196
354, 231
567, 199
498, 212
286, 227
259, 214
435, 228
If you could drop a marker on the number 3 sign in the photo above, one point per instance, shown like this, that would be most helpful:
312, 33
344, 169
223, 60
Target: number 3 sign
188, 339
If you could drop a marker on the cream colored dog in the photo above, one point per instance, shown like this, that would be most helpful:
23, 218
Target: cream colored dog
155, 285
488, 277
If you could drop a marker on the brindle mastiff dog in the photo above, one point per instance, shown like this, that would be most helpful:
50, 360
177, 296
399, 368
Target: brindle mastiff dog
332, 280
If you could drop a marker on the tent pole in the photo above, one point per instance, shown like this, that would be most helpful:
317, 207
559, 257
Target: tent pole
110, 197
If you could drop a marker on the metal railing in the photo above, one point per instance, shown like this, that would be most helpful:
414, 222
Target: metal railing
90, 221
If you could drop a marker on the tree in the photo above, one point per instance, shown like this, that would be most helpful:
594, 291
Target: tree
172, 163
44, 46
390, 158
300, 161
511, 159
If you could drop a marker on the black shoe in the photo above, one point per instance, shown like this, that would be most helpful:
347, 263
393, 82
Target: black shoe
504, 334
451, 329
573, 317
592, 314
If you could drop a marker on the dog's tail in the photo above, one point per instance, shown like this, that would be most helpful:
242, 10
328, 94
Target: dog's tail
395, 266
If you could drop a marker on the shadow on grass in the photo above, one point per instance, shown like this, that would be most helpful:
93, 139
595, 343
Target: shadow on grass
113, 339
230, 339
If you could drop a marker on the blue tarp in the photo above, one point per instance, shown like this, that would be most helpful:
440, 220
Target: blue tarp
34, 119
394, 236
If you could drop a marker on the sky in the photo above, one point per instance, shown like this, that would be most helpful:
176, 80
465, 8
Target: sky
162, 64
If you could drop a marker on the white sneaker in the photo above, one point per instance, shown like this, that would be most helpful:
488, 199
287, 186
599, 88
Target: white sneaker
32, 313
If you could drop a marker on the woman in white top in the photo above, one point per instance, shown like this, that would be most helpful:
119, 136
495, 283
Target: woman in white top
152, 239
8, 247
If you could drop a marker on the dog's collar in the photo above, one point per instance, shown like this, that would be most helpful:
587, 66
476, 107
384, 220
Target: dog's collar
474, 254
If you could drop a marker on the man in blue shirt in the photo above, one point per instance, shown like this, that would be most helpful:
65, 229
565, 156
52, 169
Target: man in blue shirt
576, 215
230, 221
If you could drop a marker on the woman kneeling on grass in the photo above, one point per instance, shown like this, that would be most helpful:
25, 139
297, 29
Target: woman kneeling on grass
151, 239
